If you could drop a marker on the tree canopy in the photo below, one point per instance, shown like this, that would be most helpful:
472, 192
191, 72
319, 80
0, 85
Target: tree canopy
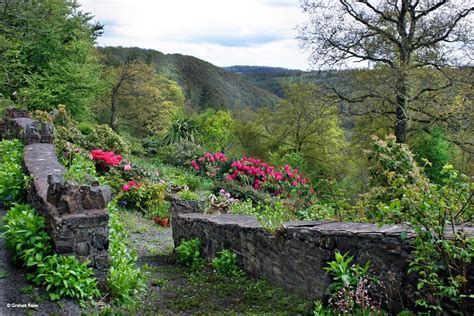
47, 54
404, 36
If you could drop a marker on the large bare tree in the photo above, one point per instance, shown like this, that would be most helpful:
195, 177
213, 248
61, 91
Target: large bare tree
405, 36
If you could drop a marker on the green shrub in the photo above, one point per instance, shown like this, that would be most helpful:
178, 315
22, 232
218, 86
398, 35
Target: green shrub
25, 234
62, 276
103, 137
243, 208
241, 192
271, 215
443, 253
226, 263
147, 197
436, 149
182, 129
81, 170
316, 212
152, 146
66, 276
86, 128
12, 178
158, 208
125, 280
11, 151
179, 155
189, 254
188, 195
350, 287
12, 182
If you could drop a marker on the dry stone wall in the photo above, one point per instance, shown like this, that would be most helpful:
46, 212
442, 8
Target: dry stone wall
295, 259
77, 215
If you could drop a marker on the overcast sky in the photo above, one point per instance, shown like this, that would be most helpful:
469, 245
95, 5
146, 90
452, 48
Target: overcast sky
223, 32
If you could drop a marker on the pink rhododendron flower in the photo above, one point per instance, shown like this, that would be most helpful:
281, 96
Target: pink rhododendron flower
127, 167
125, 188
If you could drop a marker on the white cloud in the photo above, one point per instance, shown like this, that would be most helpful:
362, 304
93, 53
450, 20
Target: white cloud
223, 32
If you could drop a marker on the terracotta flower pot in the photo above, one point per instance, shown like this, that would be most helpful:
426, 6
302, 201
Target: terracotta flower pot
164, 222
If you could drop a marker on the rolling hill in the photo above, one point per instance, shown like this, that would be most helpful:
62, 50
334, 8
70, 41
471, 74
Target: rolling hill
271, 78
205, 85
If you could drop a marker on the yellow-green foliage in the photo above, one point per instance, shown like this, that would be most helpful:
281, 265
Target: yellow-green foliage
217, 129
103, 137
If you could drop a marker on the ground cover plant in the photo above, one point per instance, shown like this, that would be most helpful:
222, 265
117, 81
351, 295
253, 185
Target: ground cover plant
13, 180
62, 276
126, 281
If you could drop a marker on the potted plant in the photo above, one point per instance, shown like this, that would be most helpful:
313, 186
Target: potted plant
159, 213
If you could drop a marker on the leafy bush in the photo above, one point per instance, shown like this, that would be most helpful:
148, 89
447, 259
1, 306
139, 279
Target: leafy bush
243, 207
349, 289
152, 145
12, 182
104, 137
226, 263
62, 276
159, 209
12, 178
436, 149
66, 276
25, 234
441, 261
143, 197
125, 279
271, 215
81, 170
188, 195
241, 192
316, 212
189, 254
11, 151
390, 160
393, 172
42, 116
86, 128
180, 154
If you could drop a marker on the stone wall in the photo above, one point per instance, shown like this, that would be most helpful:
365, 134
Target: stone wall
76, 214
295, 259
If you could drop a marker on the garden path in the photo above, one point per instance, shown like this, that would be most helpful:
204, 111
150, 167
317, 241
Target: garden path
172, 289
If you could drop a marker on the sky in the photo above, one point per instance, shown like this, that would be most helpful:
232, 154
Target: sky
222, 32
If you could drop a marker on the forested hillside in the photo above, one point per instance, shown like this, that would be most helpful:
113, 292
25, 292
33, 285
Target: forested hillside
205, 85
273, 78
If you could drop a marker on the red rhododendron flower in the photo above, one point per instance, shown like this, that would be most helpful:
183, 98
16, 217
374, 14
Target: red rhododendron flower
108, 157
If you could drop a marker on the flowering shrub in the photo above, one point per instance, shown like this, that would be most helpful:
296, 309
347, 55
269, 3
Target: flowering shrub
209, 164
262, 176
142, 197
130, 185
107, 157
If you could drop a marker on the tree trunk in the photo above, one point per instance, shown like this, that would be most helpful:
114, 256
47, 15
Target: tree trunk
113, 114
401, 126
